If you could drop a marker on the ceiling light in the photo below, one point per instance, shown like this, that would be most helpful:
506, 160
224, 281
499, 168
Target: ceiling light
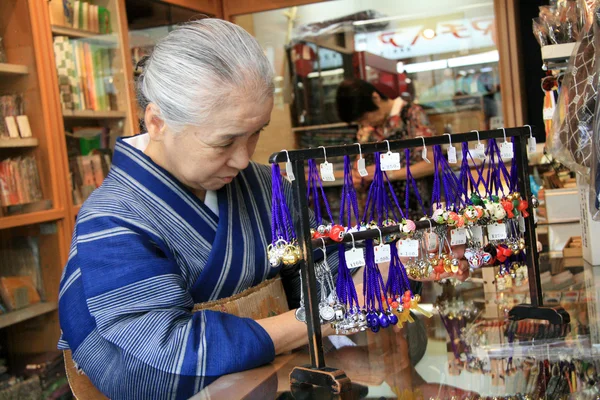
481, 58
429, 33
426, 66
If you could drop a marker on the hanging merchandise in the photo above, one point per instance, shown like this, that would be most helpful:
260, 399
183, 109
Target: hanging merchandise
284, 246
571, 140
315, 191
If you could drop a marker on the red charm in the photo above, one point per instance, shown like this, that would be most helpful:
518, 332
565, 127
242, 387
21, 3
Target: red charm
523, 205
337, 233
508, 207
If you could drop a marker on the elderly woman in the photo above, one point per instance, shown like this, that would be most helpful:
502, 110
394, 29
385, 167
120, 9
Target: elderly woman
182, 218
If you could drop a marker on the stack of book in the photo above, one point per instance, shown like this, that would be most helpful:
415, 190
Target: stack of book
80, 15
10, 107
87, 173
19, 181
85, 75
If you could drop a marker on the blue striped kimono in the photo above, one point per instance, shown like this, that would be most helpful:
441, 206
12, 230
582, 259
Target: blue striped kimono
144, 250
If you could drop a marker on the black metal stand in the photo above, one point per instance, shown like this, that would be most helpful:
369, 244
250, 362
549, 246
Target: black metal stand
317, 373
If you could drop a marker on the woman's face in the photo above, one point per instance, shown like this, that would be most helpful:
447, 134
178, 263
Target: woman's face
208, 157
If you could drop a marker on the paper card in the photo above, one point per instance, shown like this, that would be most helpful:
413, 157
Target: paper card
432, 241
477, 234
327, 172
289, 171
408, 248
532, 145
24, 128
480, 151
424, 155
452, 155
521, 224
362, 169
496, 231
458, 236
355, 258
506, 150
548, 113
11, 125
383, 253
390, 161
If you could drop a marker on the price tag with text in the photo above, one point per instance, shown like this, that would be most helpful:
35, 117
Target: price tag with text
521, 224
355, 258
362, 169
327, 172
432, 241
506, 150
408, 248
289, 171
477, 234
532, 145
452, 155
383, 253
458, 236
390, 161
496, 231
480, 151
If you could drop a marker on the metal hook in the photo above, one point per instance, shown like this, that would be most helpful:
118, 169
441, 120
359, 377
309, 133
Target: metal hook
530, 130
352, 236
388, 143
478, 141
504, 133
359, 150
324, 152
380, 236
449, 138
324, 250
430, 225
287, 154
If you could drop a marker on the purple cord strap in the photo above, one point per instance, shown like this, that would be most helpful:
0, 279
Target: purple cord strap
410, 181
281, 219
373, 290
314, 184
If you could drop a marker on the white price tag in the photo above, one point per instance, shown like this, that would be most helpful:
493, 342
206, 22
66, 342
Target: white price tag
289, 171
327, 172
452, 155
496, 231
480, 151
432, 241
458, 236
408, 248
383, 253
390, 161
424, 155
506, 150
548, 113
532, 144
477, 234
355, 258
362, 169
521, 224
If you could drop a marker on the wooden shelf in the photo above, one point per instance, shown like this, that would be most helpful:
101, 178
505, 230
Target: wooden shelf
89, 114
14, 143
13, 69
76, 209
81, 34
24, 314
31, 218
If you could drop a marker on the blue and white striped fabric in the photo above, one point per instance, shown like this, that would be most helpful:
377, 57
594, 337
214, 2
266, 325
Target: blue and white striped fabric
144, 250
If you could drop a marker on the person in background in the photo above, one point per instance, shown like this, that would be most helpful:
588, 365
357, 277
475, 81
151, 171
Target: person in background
382, 118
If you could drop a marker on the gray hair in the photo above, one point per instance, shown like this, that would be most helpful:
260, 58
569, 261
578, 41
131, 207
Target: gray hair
198, 67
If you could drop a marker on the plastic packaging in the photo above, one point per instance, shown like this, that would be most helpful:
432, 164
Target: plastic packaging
540, 32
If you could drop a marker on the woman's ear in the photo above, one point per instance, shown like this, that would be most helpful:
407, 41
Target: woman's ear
154, 123
376, 99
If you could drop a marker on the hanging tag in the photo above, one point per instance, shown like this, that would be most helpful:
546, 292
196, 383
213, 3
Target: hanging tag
452, 155
480, 151
458, 236
362, 169
521, 224
355, 258
532, 144
383, 253
424, 155
432, 241
548, 113
496, 231
408, 248
477, 234
327, 172
390, 161
506, 150
289, 171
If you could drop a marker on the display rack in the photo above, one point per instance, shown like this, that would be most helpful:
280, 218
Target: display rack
317, 373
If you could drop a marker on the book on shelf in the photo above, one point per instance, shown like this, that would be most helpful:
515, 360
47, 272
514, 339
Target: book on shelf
18, 292
84, 75
19, 181
20, 256
11, 106
84, 15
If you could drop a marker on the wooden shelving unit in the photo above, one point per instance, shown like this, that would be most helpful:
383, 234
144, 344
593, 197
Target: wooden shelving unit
75, 210
24, 314
17, 143
38, 217
89, 114
13, 69
81, 34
